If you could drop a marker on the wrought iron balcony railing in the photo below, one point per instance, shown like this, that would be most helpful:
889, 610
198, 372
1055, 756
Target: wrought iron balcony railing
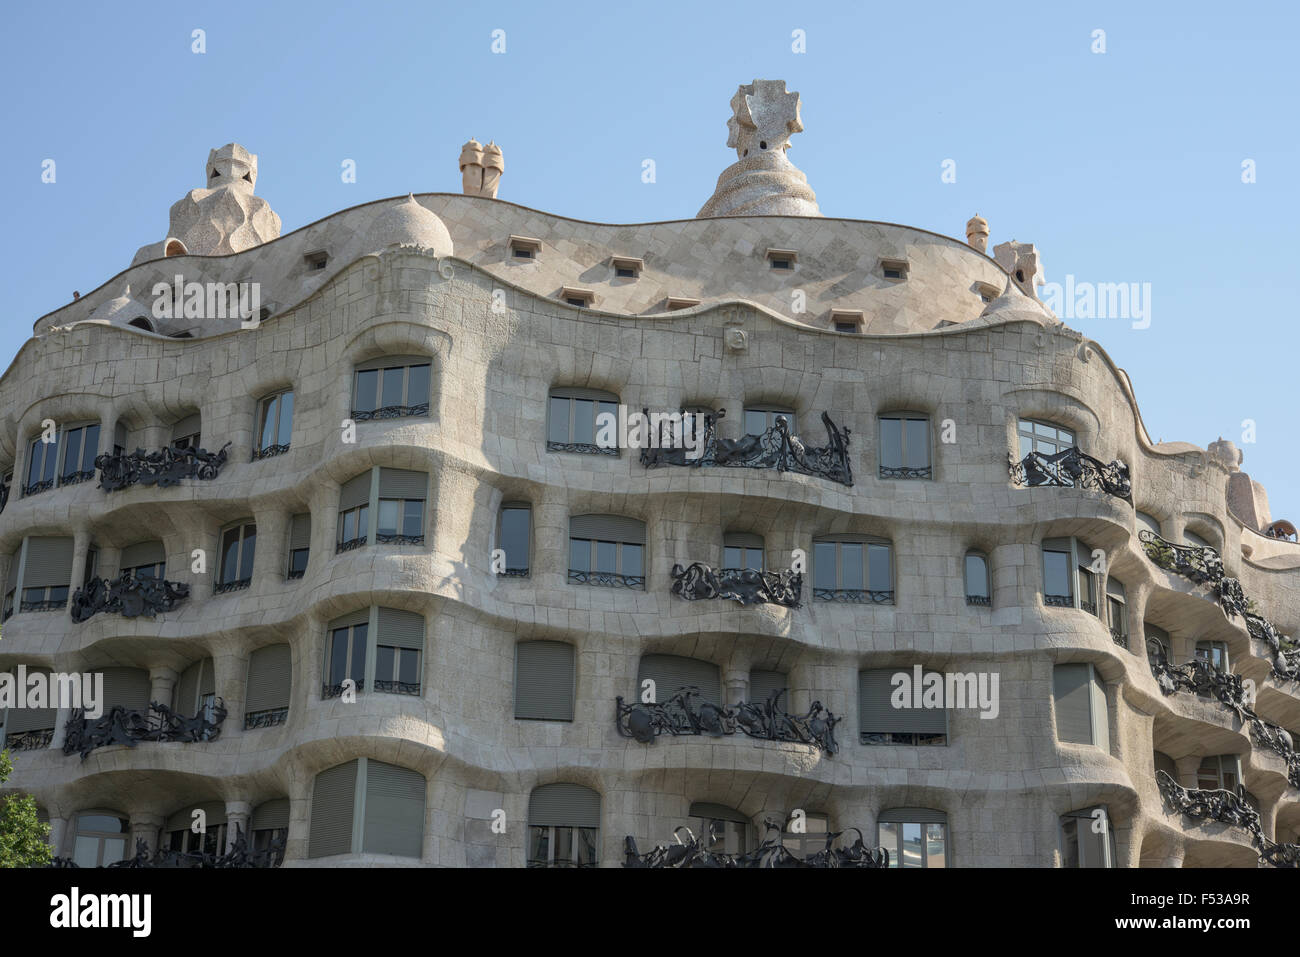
128, 596
270, 451
295, 573
34, 740
513, 573
906, 472
328, 691
37, 487
396, 687
76, 478
129, 727
680, 714
745, 585
350, 544
391, 538
695, 852
982, 600
856, 596
1059, 601
164, 468
239, 584
1202, 565
265, 719
777, 448
606, 579
390, 412
1072, 468
581, 448
1119, 637
1219, 806
45, 604
239, 855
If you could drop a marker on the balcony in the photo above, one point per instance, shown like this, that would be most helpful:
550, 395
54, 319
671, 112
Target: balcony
35, 740
1072, 468
239, 855
606, 579
392, 538
130, 727
777, 448
679, 715
270, 451
163, 468
238, 584
857, 596
1219, 806
127, 596
265, 719
695, 852
747, 586
350, 544
390, 412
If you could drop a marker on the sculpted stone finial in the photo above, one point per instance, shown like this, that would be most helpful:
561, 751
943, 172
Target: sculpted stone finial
763, 181
481, 168
1022, 262
977, 232
224, 216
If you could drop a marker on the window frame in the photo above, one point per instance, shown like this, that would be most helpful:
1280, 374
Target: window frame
334, 690
771, 413
516, 571
1119, 633
896, 856
274, 403
1084, 814
865, 594
902, 470
406, 409
574, 443
221, 586
124, 835
1034, 437
985, 600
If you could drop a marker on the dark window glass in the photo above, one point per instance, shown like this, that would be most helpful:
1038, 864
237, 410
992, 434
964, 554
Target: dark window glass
367, 390
515, 535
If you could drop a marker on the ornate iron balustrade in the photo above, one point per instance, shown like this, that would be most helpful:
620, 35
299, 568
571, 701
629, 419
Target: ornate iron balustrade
1220, 806
777, 448
1202, 565
164, 468
745, 585
982, 600
1120, 638
1200, 677
265, 719
680, 715
390, 412
1072, 468
1088, 606
295, 573
37, 487
606, 579
513, 573
857, 596
130, 727
350, 544
581, 448
396, 687
76, 478
238, 584
270, 451
128, 596
34, 740
239, 855
45, 604
385, 538
905, 472
694, 852
1059, 601
328, 691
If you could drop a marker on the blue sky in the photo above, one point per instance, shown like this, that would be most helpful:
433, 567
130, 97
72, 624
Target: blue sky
1121, 167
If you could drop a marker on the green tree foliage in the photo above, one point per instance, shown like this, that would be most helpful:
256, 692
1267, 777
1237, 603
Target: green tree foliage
22, 835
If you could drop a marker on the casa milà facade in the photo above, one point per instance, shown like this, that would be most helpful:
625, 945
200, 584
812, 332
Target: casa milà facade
367, 587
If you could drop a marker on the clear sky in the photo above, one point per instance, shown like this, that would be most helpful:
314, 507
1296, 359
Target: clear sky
1122, 166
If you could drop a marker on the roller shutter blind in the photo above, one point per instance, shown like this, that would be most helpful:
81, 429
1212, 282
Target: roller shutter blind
394, 819
392, 362
49, 562
333, 798
742, 540
912, 815
877, 714
186, 426
401, 483
400, 629
355, 492
270, 678
608, 528
16, 720
763, 683
671, 672
1100, 713
564, 805
128, 687
197, 680
544, 680
271, 814
214, 816
716, 812
300, 530
143, 553
1071, 688
360, 617
11, 580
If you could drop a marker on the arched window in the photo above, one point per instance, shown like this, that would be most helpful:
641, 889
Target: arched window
672, 673
731, 831
140, 322
977, 579
270, 823
563, 826
101, 838
914, 836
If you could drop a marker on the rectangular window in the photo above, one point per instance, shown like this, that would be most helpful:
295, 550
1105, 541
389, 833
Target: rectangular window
80, 446
607, 563
514, 539
275, 425
562, 846
346, 659
353, 528
573, 421
881, 723
914, 843
1057, 580
238, 547
1087, 839
1079, 697
905, 446
759, 420
977, 579
392, 389
1043, 437
853, 572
